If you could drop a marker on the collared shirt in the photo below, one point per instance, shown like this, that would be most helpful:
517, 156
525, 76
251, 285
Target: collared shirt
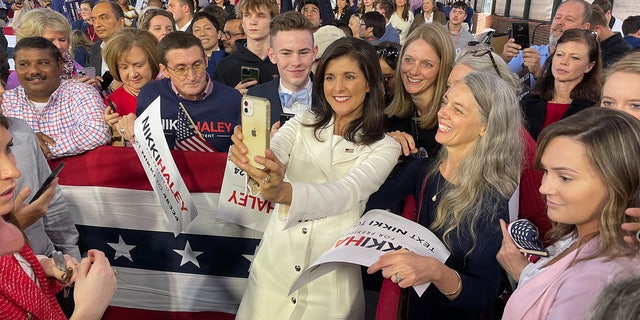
201, 96
296, 108
73, 117
186, 26
105, 66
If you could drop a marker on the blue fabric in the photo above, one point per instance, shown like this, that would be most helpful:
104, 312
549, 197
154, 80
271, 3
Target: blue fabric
633, 41
215, 116
301, 96
390, 34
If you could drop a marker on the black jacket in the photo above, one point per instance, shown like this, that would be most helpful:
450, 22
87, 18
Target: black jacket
534, 109
228, 70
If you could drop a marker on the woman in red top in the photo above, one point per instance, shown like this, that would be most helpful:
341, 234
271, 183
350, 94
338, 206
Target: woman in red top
570, 81
133, 55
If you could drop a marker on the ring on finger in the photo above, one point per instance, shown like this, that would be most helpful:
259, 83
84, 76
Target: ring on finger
121, 130
396, 278
266, 179
115, 272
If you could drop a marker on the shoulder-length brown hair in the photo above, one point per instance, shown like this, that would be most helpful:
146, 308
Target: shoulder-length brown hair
610, 138
370, 127
591, 85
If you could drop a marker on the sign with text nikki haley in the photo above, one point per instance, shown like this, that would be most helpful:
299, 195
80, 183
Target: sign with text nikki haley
153, 151
199, 274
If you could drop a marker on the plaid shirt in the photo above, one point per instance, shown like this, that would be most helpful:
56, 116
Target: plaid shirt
73, 117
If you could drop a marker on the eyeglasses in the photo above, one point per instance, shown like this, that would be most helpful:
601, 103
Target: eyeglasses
182, 70
229, 34
480, 53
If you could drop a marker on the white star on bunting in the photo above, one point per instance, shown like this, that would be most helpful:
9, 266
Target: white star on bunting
189, 255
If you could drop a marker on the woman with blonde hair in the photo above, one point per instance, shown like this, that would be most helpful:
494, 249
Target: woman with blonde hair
591, 175
461, 194
80, 47
53, 26
132, 56
621, 91
421, 80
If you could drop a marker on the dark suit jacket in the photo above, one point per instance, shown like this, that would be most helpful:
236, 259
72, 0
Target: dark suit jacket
269, 91
95, 59
535, 110
346, 15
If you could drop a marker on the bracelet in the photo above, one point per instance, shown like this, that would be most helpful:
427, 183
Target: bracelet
458, 289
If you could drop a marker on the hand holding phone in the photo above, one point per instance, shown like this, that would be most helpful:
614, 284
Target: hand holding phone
87, 72
249, 73
47, 182
255, 117
521, 34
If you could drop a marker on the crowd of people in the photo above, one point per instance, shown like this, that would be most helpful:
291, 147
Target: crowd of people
393, 106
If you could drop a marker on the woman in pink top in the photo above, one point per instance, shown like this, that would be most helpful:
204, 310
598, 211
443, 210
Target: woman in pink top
590, 177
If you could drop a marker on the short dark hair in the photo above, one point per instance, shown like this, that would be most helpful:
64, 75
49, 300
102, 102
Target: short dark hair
604, 4
290, 20
460, 5
115, 8
303, 3
376, 20
387, 6
597, 17
190, 4
370, 127
177, 40
38, 43
631, 25
217, 12
89, 2
205, 15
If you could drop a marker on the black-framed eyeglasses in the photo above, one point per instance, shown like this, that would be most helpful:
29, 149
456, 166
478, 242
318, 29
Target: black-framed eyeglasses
482, 52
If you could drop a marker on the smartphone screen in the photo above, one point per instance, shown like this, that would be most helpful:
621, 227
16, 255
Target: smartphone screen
256, 119
47, 182
521, 34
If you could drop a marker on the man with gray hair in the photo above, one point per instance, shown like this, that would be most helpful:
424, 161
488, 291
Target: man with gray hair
571, 14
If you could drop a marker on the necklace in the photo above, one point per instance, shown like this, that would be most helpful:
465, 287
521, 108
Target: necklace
438, 191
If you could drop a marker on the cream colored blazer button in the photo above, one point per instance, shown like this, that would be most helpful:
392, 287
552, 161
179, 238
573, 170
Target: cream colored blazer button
293, 300
304, 230
298, 268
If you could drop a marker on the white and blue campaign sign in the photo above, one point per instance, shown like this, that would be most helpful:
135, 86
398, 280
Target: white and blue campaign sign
377, 232
153, 151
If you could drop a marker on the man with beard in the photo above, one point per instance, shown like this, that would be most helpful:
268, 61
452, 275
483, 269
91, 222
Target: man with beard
571, 14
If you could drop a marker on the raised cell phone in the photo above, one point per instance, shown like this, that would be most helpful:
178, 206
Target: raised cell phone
87, 72
521, 33
47, 182
249, 73
256, 115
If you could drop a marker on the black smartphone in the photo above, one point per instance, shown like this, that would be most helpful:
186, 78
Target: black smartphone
249, 73
47, 182
284, 117
521, 33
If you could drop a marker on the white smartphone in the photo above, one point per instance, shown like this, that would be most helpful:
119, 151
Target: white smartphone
256, 117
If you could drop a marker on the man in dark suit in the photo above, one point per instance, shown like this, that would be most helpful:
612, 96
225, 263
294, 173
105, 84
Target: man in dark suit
108, 18
292, 50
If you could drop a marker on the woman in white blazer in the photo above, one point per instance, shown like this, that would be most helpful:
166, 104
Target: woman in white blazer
320, 170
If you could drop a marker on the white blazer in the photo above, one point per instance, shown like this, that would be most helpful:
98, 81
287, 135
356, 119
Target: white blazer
331, 181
